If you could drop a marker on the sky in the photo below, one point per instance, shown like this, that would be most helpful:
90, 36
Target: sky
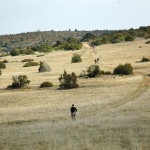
17, 16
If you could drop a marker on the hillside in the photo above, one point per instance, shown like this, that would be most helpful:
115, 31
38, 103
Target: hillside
24, 40
113, 113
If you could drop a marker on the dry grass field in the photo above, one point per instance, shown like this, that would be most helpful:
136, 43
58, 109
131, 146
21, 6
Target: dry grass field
113, 113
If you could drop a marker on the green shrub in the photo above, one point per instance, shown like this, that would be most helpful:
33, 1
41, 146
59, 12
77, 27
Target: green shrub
40, 55
68, 81
73, 40
2, 65
44, 67
30, 64
72, 46
125, 69
5, 61
88, 37
76, 58
15, 52
93, 71
42, 48
29, 51
46, 84
129, 37
0, 72
148, 42
106, 72
144, 59
20, 81
27, 60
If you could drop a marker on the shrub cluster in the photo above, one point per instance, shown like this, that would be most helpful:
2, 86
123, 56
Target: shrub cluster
70, 44
106, 72
125, 69
27, 60
129, 37
30, 64
76, 58
42, 48
148, 42
0, 72
5, 61
46, 84
2, 65
44, 67
88, 37
144, 59
116, 37
20, 81
68, 81
93, 71
16, 52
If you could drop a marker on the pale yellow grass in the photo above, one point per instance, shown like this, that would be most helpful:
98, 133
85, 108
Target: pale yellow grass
113, 113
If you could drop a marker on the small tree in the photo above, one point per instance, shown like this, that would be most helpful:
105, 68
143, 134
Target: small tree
44, 67
93, 71
46, 84
2, 65
76, 58
125, 69
19, 82
68, 81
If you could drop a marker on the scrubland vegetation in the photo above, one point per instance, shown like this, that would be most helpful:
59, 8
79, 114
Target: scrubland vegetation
111, 95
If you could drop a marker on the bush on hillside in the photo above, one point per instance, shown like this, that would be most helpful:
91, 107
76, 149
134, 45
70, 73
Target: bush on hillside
73, 40
144, 59
88, 37
2, 65
20, 81
5, 61
44, 67
72, 46
76, 58
148, 42
27, 60
68, 81
30, 64
46, 84
15, 52
29, 51
106, 72
129, 37
0, 72
42, 48
93, 71
125, 69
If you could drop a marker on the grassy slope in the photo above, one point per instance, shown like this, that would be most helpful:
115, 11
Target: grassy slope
113, 112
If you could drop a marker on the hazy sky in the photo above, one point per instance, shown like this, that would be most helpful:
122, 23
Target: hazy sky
31, 15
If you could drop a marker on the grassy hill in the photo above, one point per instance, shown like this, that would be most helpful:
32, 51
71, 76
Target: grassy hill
113, 112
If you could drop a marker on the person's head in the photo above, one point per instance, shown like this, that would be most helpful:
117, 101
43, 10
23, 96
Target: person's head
72, 105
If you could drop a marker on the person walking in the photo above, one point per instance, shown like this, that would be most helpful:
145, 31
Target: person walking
73, 111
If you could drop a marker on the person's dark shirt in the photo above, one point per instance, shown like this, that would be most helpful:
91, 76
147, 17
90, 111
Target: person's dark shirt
73, 109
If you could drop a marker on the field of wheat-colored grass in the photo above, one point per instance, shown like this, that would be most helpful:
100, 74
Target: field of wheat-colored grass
113, 113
